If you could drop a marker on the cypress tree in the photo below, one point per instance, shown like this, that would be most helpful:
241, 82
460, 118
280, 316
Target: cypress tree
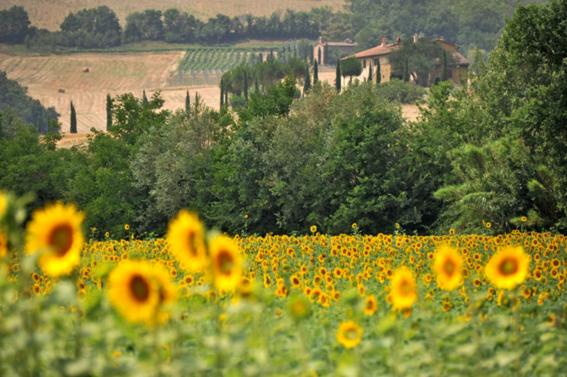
370, 69
144, 98
405, 74
187, 102
307, 82
256, 86
245, 85
378, 72
338, 77
222, 93
315, 72
108, 112
73, 129
445, 67
197, 101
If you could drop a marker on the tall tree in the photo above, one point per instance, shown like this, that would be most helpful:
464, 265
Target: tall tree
73, 128
145, 101
88, 28
245, 86
315, 72
14, 25
378, 72
225, 96
108, 112
338, 76
187, 102
307, 80
370, 69
351, 67
222, 89
406, 72
445, 67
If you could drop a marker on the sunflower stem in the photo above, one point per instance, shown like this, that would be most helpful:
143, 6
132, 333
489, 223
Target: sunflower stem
157, 354
219, 359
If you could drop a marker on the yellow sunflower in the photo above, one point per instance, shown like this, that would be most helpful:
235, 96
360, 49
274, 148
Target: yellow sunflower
370, 305
508, 267
349, 334
185, 237
226, 263
3, 245
55, 232
403, 288
167, 292
448, 267
134, 291
299, 307
3, 204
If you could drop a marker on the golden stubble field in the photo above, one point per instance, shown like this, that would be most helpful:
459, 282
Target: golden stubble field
50, 13
56, 80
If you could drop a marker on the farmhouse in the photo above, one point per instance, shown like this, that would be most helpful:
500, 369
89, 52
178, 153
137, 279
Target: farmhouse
379, 60
327, 53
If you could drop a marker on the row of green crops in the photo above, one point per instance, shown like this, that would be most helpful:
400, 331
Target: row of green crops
205, 66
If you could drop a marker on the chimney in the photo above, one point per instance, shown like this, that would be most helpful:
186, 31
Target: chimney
383, 41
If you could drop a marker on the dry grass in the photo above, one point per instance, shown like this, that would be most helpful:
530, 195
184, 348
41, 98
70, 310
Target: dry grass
50, 13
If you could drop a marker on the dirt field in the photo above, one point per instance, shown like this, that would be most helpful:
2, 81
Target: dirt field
55, 80
50, 13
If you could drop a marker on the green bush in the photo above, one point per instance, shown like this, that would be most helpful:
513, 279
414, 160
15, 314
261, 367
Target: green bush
399, 91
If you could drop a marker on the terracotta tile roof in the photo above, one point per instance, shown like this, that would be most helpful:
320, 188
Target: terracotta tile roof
455, 54
382, 49
459, 59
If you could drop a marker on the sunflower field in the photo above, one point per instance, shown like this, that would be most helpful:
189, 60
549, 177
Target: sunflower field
201, 303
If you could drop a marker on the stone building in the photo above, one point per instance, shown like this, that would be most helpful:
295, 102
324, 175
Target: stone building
327, 53
382, 53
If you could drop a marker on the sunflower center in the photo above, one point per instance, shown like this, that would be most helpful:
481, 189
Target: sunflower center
225, 262
449, 267
508, 266
140, 288
406, 288
351, 333
61, 239
369, 304
299, 308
